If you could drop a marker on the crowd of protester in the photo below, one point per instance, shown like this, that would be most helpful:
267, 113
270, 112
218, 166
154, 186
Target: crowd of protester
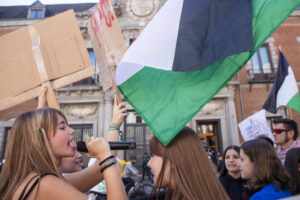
258, 170
42, 163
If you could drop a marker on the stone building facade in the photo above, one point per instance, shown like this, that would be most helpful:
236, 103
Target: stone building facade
89, 109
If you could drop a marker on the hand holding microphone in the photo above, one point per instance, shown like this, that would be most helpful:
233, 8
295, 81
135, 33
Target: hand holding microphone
81, 145
97, 148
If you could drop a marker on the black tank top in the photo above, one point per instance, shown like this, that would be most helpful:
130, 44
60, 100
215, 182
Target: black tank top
22, 197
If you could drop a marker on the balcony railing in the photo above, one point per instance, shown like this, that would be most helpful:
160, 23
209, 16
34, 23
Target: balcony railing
260, 77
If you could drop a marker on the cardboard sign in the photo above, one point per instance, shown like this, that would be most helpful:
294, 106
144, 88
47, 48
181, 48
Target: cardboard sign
255, 125
50, 50
107, 39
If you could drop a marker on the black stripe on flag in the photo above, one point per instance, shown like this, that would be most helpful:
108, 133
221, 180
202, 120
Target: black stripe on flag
282, 72
210, 30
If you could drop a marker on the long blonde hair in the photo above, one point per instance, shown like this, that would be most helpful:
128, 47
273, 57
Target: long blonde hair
26, 152
190, 168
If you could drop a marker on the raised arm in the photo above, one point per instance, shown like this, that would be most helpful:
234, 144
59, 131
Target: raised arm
87, 178
119, 114
42, 99
99, 149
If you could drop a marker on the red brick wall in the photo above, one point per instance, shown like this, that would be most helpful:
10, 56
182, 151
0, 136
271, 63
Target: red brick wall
286, 37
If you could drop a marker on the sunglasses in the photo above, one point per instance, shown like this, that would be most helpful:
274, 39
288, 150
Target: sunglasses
279, 131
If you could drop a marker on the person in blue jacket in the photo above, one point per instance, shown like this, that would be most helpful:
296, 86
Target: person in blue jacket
264, 171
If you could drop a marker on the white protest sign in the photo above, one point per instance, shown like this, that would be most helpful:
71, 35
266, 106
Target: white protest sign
255, 125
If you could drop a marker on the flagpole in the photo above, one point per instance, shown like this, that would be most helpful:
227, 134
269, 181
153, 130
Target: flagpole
241, 97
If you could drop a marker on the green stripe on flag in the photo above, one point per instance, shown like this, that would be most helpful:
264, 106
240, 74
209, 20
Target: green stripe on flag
294, 103
168, 100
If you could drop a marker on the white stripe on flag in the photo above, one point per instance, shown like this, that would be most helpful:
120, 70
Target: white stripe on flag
287, 90
126, 71
155, 47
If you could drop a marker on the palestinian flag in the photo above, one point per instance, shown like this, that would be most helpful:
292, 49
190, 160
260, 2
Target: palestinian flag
285, 90
188, 52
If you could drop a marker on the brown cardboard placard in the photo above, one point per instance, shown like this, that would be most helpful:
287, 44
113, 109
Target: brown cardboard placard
108, 41
50, 50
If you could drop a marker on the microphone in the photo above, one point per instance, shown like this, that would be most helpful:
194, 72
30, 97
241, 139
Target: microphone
81, 146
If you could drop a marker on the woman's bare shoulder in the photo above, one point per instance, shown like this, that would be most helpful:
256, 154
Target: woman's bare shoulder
49, 187
28, 180
52, 187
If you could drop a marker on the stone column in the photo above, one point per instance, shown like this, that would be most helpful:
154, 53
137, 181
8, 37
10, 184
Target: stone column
108, 107
100, 132
231, 121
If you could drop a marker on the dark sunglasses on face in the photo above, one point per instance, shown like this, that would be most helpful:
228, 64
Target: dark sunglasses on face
278, 131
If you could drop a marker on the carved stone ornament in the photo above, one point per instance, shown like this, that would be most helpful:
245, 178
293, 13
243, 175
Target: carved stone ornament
213, 106
80, 111
142, 9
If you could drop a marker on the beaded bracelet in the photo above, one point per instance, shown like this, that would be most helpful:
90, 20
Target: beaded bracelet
112, 129
103, 161
107, 164
115, 126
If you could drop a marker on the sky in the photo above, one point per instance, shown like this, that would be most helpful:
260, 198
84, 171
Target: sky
29, 2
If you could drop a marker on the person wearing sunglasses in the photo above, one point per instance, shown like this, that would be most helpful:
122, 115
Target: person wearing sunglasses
285, 132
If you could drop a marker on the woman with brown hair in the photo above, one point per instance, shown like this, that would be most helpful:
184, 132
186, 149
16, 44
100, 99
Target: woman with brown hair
230, 175
183, 168
38, 141
292, 166
264, 171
